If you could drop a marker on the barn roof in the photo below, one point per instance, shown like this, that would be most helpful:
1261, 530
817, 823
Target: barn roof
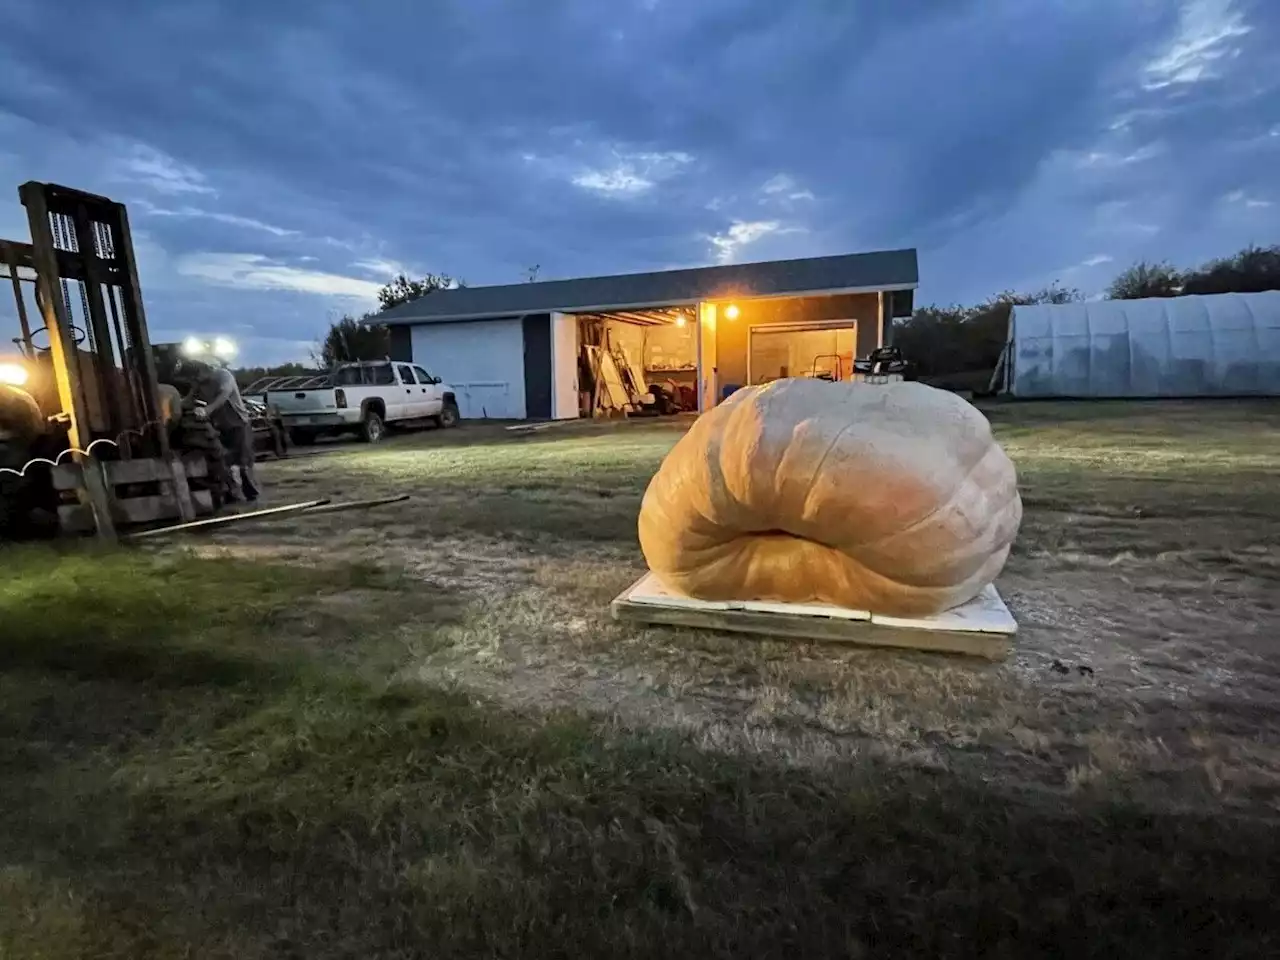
855, 272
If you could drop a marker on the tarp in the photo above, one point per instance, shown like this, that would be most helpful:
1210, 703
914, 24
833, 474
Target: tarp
1225, 344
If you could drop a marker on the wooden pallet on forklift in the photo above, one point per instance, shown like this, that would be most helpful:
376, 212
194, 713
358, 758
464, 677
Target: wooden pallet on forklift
983, 627
143, 490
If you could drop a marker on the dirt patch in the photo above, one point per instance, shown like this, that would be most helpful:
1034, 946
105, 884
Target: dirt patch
1144, 582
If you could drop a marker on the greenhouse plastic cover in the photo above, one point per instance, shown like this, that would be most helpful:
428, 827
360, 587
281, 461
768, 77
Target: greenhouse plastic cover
1224, 344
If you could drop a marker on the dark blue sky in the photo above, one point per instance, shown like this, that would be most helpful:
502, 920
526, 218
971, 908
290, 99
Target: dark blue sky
281, 159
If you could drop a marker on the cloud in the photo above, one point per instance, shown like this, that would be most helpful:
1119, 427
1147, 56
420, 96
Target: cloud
632, 173
1102, 158
621, 180
784, 186
1097, 260
728, 245
253, 271
1207, 31
231, 219
162, 173
390, 269
782, 183
1242, 198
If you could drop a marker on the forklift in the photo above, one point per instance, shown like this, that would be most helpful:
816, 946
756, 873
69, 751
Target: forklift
90, 437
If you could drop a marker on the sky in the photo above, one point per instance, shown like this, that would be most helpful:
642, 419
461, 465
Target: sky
280, 161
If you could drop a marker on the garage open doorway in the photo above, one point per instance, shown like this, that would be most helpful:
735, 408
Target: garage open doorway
824, 350
638, 363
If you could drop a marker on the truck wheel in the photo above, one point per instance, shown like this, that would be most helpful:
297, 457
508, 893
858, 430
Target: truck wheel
372, 428
448, 416
302, 438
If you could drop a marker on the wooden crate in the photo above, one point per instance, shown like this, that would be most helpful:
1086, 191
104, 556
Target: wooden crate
984, 627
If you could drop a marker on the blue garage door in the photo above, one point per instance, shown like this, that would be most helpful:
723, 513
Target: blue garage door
483, 360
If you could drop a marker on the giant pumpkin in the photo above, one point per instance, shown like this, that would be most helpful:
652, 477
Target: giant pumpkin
893, 498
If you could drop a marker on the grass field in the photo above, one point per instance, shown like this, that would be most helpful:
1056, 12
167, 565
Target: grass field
416, 732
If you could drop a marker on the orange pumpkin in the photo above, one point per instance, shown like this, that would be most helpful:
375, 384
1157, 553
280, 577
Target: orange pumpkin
891, 498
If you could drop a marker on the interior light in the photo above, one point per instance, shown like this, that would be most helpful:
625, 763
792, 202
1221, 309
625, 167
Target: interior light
13, 374
731, 311
680, 320
223, 348
192, 347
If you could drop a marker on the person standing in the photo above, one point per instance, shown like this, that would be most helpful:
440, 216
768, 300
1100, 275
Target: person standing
226, 410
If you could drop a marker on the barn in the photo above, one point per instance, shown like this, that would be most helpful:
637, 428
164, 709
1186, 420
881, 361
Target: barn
1220, 345
523, 351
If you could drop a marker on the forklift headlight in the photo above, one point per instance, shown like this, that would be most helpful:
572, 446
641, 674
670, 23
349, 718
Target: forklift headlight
13, 374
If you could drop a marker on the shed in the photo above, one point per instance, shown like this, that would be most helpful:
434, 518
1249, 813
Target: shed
1224, 344
521, 351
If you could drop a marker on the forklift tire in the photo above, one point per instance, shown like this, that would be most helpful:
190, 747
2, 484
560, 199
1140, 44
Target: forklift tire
372, 429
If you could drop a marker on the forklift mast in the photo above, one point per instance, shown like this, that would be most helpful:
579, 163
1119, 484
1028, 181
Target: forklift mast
89, 305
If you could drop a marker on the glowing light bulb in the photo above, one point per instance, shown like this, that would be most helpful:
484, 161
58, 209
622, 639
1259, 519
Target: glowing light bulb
13, 374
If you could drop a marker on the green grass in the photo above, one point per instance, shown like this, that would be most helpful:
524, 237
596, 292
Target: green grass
221, 756
551, 486
282, 809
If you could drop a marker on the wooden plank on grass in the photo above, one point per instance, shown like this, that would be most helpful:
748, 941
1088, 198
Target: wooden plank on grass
985, 631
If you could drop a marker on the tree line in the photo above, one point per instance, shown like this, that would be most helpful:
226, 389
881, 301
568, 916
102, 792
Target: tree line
356, 338
959, 346
364, 338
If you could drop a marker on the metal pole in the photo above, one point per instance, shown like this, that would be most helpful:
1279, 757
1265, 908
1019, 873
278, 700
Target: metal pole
91, 290
225, 521
66, 360
12, 261
357, 504
135, 319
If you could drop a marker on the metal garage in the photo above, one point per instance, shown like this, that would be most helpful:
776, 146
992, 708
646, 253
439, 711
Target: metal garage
528, 350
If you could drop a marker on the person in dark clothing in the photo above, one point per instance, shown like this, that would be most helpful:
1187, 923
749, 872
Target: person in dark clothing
225, 409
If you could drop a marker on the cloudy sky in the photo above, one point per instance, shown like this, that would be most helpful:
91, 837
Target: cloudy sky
281, 160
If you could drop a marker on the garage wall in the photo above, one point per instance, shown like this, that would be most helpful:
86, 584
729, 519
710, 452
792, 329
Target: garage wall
668, 346
731, 335
483, 360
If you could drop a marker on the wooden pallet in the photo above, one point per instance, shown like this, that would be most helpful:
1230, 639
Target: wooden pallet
983, 627
165, 495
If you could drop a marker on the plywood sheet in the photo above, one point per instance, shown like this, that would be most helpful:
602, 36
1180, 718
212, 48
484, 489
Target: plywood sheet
984, 627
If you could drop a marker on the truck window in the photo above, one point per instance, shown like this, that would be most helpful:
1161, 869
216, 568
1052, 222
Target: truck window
349, 376
381, 375
423, 376
406, 373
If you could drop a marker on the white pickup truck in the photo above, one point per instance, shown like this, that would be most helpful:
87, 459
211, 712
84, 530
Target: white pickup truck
365, 397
